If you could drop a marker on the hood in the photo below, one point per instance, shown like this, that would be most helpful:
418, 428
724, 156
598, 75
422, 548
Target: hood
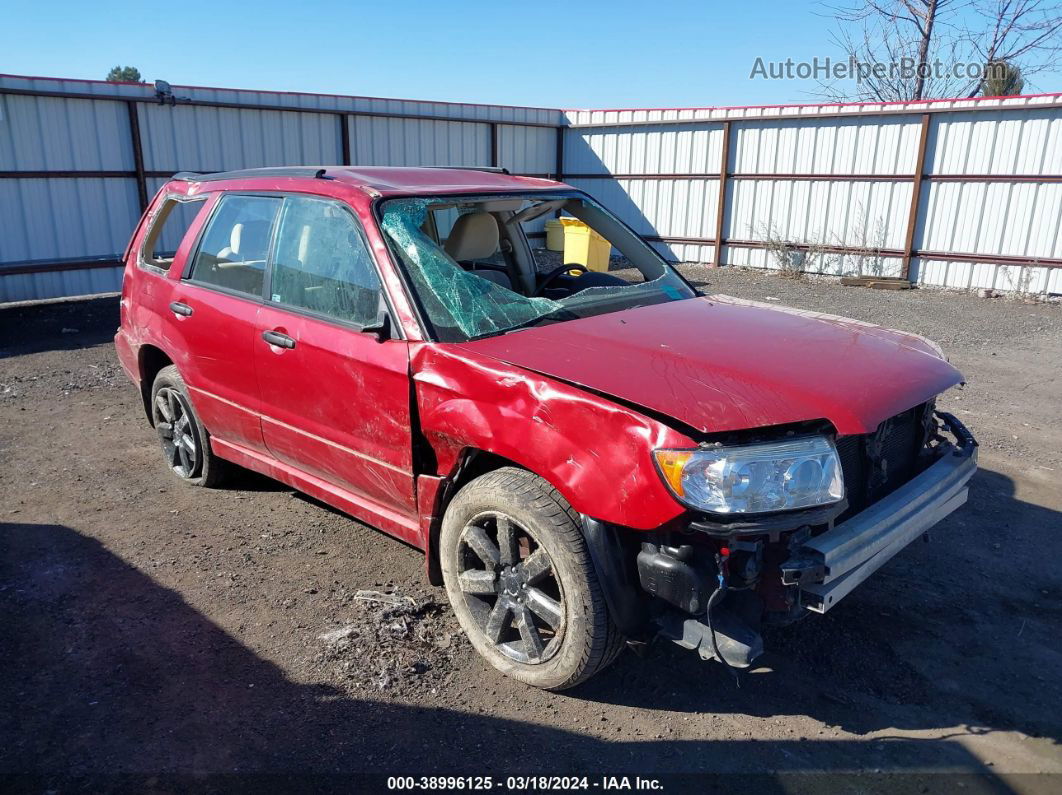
723, 364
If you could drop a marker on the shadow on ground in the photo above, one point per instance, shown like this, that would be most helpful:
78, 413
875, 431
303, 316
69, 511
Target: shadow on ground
62, 325
116, 674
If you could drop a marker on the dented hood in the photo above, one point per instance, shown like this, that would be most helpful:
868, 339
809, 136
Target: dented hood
721, 364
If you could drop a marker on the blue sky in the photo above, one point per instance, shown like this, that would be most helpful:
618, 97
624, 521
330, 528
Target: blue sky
572, 55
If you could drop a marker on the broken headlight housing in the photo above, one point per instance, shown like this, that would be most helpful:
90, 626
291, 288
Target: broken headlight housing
755, 478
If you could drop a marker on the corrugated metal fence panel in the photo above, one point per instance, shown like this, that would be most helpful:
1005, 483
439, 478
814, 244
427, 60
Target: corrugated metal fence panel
527, 150
216, 139
62, 219
1029, 142
990, 275
48, 133
1021, 219
826, 212
826, 146
659, 207
377, 141
294, 100
679, 115
681, 149
60, 284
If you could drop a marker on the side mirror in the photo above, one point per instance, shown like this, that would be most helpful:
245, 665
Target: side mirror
381, 326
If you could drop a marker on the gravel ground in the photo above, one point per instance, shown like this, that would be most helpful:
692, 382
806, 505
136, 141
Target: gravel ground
154, 629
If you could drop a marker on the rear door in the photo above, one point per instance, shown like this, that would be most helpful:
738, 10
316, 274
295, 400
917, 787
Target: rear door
335, 400
214, 311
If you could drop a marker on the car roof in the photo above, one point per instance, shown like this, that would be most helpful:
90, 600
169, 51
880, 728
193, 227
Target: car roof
389, 180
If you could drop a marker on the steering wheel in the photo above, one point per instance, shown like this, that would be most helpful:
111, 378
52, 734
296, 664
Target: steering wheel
553, 275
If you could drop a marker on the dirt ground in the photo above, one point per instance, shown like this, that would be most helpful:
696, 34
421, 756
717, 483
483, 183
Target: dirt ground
152, 629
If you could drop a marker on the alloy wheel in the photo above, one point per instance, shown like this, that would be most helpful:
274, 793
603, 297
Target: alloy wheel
177, 432
510, 586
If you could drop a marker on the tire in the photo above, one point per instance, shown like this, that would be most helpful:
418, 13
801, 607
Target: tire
556, 598
190, 457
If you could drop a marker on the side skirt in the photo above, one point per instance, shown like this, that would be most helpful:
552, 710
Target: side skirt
405, 528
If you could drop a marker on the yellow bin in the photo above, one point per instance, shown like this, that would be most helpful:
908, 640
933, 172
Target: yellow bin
554, 235
584, 246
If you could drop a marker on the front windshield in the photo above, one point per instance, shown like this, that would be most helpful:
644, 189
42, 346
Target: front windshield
479, 266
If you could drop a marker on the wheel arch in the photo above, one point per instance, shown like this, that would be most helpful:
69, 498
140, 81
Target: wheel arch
471, 463
150, 360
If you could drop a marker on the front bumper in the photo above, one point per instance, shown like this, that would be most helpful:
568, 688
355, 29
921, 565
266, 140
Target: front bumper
829, 566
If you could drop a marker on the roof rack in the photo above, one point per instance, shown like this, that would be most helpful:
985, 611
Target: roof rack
488, 169
284, 171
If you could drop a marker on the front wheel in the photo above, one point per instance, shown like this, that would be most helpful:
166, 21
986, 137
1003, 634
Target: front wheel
521, 581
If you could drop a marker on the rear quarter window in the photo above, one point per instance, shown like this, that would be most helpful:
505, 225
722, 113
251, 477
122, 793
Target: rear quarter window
169, 228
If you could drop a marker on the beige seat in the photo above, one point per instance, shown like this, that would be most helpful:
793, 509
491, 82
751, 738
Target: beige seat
475, 237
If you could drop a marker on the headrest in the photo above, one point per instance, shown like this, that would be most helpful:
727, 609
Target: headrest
474, 236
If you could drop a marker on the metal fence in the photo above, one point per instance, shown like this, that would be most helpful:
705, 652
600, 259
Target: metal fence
964, 193
79, 160
957, 193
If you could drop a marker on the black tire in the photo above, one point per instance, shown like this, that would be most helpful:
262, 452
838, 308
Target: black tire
185, 442
514, 503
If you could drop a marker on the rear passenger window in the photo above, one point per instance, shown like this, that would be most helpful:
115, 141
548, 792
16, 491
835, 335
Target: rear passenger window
168, 230
236, 244
322, 262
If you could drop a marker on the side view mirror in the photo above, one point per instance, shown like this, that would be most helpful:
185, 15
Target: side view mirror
381, 326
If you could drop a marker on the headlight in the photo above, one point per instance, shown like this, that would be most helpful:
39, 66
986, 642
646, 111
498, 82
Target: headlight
755, 478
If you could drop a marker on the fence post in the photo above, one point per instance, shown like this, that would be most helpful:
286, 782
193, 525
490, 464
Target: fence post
344, 138
916, 193
720, 208
138, 154
559, 175
494, 144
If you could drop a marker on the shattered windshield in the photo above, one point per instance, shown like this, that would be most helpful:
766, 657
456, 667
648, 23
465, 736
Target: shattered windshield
480, 265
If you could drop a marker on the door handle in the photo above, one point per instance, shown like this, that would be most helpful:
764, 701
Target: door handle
278, 339
180, 309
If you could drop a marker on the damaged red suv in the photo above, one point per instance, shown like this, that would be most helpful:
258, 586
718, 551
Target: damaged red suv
586, 458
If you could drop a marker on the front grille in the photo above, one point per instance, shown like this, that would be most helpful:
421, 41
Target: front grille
876, 464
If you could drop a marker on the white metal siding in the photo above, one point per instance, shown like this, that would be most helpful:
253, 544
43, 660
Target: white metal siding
826, 146
681, 149
47, 133
656, 168
377, 141
527, 150
62, 219
194, 138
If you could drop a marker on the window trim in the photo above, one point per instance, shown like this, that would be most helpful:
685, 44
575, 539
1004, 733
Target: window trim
158, 222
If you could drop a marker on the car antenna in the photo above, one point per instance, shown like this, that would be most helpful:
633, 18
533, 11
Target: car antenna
321, 174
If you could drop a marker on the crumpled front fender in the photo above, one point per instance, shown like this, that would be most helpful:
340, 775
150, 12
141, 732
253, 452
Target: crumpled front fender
596, 453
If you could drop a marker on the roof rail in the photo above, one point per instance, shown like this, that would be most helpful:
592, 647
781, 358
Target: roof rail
489, 169
283, 171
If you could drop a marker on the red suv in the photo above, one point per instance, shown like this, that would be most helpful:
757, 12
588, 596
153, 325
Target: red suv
586, 457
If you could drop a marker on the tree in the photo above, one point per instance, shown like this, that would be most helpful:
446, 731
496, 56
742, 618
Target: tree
904, 50
1024, 34
1002, 79
124, 74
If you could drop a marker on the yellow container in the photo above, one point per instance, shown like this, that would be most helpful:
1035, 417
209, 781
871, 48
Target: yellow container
584, 246
554, 235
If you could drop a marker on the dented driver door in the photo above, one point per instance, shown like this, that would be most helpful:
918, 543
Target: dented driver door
335, 400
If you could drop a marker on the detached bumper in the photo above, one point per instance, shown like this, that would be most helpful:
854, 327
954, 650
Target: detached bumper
829, 566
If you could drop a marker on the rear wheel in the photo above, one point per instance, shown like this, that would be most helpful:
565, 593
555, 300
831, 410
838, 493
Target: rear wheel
521, 581
185, 442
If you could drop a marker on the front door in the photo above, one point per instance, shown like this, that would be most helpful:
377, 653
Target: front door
335, 400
